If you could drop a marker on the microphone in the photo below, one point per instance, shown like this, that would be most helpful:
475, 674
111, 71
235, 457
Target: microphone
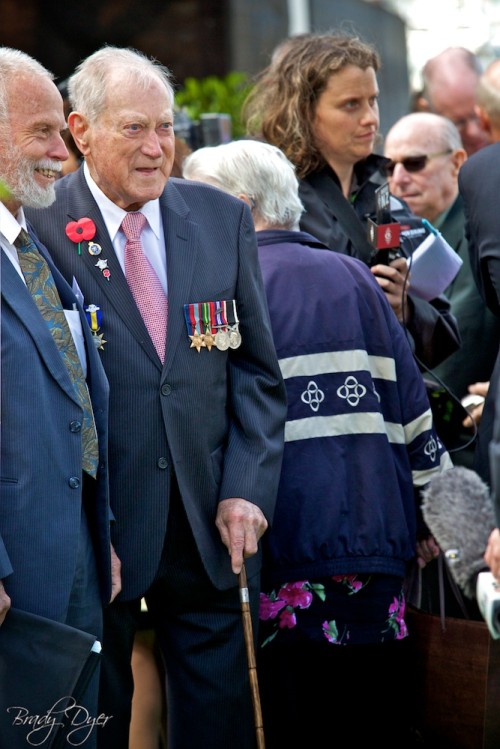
458, 510
384, 234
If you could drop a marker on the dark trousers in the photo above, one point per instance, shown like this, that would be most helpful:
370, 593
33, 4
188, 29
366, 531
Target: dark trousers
341, 696
85, 613
200, 634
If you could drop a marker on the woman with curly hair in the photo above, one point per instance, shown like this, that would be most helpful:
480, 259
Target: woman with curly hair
318, 102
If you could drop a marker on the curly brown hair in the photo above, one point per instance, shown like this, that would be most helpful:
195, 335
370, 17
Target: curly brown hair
281, 106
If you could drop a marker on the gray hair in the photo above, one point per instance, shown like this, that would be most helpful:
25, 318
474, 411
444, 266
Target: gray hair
255, 169
488, 91
88, 86
14, 63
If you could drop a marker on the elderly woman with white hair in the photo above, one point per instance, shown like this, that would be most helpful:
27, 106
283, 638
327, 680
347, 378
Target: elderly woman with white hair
359, 443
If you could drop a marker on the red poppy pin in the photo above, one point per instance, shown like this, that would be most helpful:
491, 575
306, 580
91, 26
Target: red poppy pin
78, 231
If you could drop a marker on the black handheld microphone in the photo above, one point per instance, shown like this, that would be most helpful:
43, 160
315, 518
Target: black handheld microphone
384, 234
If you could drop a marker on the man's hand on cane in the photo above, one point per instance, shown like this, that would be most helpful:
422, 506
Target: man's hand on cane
241, 525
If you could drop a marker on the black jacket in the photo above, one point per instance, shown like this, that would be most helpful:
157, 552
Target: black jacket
432, 330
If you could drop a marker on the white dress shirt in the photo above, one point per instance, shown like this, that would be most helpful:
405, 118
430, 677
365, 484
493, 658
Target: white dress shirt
152, 236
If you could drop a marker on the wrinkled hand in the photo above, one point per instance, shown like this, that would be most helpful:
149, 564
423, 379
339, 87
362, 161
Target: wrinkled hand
241, 525
475, 412
492, 553
4, 603
116, 577
394, 280
427, 550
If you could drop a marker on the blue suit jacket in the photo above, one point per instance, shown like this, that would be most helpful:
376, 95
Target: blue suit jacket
40, 505
213, 418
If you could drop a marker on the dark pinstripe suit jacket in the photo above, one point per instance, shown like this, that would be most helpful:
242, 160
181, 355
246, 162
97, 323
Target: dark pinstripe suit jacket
41, 457
214, 418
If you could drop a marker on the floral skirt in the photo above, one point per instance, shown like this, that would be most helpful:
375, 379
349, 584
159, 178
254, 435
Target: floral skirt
340, 610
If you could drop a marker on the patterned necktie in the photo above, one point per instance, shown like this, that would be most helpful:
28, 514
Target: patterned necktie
144, 284
41, 284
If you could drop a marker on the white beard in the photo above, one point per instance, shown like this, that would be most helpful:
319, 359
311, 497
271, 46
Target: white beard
18, 175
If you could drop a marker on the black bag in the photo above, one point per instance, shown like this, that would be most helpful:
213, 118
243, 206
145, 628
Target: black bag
42, 664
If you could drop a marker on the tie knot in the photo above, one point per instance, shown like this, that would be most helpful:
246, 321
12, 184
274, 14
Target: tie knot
23, 241
133, 224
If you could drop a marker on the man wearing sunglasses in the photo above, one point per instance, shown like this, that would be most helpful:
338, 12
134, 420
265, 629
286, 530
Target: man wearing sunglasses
426, 154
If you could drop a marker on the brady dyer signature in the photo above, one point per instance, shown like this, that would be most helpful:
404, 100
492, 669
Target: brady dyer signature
77, 721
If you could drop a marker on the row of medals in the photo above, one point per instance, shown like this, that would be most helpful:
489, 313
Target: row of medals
223, 339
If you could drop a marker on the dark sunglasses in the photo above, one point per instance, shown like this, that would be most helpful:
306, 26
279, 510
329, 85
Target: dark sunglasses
414, 163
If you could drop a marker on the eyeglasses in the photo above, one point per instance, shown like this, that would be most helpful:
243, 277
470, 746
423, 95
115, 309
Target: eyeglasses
462, 123
414, 163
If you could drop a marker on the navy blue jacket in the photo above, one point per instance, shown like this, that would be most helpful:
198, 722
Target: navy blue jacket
359, 435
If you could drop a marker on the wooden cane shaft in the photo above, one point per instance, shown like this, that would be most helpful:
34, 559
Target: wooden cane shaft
252, 665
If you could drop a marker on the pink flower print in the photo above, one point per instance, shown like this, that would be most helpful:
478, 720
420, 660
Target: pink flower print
396, 617
296, 595
393, 608
269, 608
287, 619
351, 581
400, 619
403, 631
331, 632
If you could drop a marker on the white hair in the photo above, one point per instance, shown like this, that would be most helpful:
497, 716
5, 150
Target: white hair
257, 170
88, 86
14, 63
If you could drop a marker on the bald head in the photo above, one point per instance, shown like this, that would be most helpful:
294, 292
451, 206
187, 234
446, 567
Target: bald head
430, 185
450, 82
427, 129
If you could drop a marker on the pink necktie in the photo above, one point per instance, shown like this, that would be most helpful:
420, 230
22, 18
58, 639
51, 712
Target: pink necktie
144, 284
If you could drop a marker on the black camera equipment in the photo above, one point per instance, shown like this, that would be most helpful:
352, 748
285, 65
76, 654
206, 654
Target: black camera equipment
211, 129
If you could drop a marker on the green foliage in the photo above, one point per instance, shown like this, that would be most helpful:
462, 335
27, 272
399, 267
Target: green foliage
213, 94
4, 191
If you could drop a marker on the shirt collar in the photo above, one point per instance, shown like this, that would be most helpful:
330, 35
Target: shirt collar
10, 225
113, 215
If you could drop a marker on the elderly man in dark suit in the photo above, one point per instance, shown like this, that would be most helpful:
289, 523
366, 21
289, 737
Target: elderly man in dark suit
426, 155
55, 553
197, 406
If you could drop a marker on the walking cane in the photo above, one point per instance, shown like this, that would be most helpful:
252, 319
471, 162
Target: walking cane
252, 666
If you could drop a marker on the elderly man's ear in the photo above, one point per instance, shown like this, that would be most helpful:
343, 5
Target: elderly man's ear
458, 157
78, 126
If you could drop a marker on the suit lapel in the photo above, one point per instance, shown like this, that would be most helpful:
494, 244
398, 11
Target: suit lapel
181, 241
453, 226
68, 301
115, 287
17, 296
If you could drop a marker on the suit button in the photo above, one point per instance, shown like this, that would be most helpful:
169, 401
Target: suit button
162, 463
74, 482
75, 426
166, 389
